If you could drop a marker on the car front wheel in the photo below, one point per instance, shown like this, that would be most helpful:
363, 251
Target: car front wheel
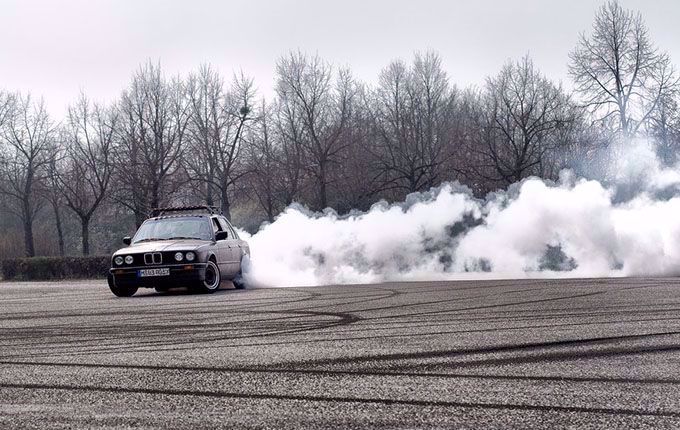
120, 291
212, 280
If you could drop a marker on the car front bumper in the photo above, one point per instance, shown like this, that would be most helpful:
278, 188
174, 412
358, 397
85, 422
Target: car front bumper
181, 275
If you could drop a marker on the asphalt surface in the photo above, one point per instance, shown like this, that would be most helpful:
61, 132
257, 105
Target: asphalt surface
483, 354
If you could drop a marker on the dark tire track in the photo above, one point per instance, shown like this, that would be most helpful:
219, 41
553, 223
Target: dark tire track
331, 399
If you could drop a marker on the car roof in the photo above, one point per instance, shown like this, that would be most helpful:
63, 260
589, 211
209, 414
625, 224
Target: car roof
156, 218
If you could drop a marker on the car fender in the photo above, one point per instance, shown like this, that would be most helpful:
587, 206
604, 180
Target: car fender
210, 254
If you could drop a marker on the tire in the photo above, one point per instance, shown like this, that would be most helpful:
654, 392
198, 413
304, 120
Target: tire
213, 278
238, 281
120, 291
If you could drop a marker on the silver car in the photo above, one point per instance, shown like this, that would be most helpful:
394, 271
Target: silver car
194, 247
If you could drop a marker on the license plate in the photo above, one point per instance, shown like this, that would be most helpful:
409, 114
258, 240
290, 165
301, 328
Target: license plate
153, 272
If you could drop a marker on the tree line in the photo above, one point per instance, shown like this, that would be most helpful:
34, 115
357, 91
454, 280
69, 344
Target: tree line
326, 139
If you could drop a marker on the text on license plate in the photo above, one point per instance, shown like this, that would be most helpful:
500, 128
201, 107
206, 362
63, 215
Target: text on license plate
153, 272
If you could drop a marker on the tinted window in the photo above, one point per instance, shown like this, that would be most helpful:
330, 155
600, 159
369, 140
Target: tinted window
216, 225
174, 228
228, 227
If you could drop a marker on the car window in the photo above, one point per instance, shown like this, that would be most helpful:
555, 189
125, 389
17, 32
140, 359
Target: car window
233, 232
216, 226
174, 228
228, 227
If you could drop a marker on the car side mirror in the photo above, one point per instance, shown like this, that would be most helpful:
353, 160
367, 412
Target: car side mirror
127, 240
221, 235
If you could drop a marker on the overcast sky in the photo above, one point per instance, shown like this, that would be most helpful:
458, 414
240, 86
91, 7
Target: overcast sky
56, 48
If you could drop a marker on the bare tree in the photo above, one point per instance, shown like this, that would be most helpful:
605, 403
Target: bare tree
276, 174
308, 91
7, 105
219, 119
53, 193
264, 163
413, 112
521, 114
289, 132
664, 127
88, 161
620, 74
27, 150
355, 186
153, 116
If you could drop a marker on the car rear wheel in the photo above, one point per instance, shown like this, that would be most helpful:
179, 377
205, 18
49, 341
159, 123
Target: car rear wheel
120, 291
212, 280
238, 281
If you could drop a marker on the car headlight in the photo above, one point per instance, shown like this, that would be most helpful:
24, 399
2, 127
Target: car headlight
118, 260
129, 259
179, 256
191, 256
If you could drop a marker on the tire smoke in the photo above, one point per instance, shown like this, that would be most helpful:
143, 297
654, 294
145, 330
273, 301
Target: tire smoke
573, 228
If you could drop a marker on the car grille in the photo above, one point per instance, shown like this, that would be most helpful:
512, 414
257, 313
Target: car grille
153, 258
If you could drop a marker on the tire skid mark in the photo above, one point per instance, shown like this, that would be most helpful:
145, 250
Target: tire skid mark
339, 399
493, 306
161, 309
352, 373
551, 357
432, 302
470, 351
184, 344
162, 334
602, 317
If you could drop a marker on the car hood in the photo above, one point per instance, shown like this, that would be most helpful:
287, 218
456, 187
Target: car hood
163, 245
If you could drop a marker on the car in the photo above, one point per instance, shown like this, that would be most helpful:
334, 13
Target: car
189, 246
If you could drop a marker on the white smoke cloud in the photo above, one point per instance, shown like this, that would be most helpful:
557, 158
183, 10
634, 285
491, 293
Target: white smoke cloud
575, 228
638, 165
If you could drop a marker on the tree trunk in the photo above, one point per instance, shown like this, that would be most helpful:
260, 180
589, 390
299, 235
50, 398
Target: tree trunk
209, 199
270, 209
85, 231
155, 198
323, 200
519, 172
226, 206
28, 230
139, 209
60, 231
625, 126
140, 217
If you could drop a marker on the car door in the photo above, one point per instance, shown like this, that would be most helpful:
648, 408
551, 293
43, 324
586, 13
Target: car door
242, 244
233, 245
222, 250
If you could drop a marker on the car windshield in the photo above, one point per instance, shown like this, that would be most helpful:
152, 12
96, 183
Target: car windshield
174, 228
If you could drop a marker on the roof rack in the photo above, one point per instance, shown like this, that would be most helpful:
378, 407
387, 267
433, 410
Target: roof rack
212, 210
